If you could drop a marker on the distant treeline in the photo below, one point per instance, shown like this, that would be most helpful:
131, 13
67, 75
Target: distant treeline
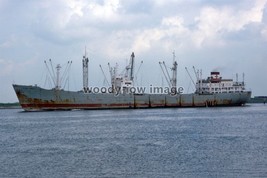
9, 105
258, 99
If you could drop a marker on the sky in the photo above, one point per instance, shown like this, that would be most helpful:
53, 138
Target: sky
223, 35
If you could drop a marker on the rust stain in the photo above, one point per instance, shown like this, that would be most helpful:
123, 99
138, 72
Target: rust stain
211, 103
227, 102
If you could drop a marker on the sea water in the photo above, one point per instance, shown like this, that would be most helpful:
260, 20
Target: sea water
176, 142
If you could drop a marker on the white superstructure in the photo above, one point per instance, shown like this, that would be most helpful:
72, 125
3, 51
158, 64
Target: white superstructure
216, 84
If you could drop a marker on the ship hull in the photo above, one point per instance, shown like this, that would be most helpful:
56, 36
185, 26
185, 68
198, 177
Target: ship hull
34, 98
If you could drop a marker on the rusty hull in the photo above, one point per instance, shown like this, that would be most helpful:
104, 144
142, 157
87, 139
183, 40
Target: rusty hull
34, 98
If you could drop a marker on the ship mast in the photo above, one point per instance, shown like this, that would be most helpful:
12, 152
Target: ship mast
174, 72
58, 79
85, 73
132, 67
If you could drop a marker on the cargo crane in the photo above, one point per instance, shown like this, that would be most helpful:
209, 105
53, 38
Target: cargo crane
58, 79
172, 81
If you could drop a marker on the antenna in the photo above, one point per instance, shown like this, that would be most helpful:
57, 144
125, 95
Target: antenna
173, 55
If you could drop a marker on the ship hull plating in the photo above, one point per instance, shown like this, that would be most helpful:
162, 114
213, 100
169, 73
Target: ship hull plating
33, 98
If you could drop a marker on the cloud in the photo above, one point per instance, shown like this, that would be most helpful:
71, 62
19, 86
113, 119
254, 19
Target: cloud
203, 33
209, 29
170, 28
107, 11
64, 22
212, 22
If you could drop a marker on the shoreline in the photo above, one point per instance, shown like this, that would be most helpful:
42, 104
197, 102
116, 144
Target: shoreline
10, 105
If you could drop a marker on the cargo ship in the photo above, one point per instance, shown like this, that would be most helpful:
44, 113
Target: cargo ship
210, 92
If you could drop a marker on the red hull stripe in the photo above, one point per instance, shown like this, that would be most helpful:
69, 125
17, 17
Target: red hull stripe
76, 105
84, 106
